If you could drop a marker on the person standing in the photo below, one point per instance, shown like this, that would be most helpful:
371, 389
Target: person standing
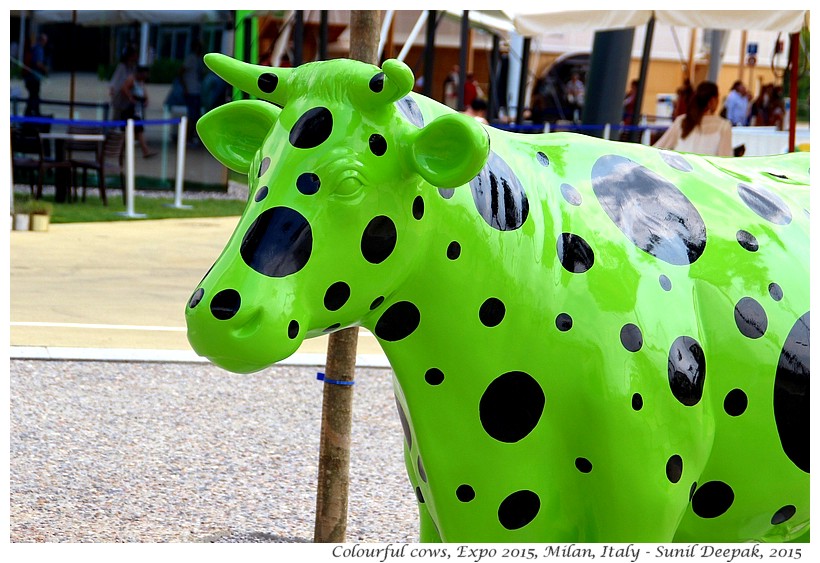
737, 104
134, 92
192, 73
699, 130
125, 68
33, 78
683, 94
575, 95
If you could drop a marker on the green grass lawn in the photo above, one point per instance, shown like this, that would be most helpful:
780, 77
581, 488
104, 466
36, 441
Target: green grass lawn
93, 210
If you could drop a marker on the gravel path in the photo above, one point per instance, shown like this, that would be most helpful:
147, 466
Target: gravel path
152, 452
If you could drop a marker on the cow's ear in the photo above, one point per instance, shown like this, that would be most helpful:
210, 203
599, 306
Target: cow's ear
450, 151
233, 132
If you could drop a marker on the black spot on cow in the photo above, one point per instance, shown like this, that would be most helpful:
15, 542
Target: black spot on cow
655, 215
419, 496
422, 472
267, 82
376, 302
434, 376
499, 195
686, 370
783, 514
519, 509
410, 109
631, 337
378, 239
278, 243
712, 499
399, 321
574, 253
765, 203
336, 296
674, 468
676, 161
747, 240
196, 298
293, 329
563, 322
775, 291
453, 250
583, 465
312, 129
308, 183
492, 312
735, 402
377, 83
404, 425
637, 401
542, 158
750, 318
225, 304
571, 195
666, 283
465, 493
261, 194
378, 144
511, 406
791, 394
332, 328
263, 166
418, 208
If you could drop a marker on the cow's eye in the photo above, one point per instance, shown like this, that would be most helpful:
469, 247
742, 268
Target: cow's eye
348, 185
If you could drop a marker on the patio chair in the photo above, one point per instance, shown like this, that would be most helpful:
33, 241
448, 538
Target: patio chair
106, 160
25, 151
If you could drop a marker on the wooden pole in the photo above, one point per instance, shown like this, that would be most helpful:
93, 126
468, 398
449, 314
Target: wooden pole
742, 62
337, 402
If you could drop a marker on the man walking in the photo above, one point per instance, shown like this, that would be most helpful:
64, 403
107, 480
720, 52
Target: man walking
38, 68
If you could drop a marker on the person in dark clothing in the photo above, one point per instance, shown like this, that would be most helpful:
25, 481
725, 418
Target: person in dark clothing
38, 68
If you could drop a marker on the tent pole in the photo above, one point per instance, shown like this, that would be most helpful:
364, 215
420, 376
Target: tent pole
522, 83
794, 51
429, 54
492, 100
323, 35
647, 48
462, 58
298, 37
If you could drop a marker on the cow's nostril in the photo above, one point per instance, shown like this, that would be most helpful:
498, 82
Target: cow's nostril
225, 304
196, 298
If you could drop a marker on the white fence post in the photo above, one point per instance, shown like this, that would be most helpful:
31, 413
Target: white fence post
607, 128
129, 171
180, 179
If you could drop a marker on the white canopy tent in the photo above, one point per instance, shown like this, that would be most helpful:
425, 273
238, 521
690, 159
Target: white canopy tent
542, 22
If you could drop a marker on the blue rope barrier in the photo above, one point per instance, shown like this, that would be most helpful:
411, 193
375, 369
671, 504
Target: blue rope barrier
90, 123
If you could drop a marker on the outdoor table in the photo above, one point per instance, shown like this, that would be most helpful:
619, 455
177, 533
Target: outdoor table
61, 177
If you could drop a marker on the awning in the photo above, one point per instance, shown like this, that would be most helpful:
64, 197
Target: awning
116, 17
544, 22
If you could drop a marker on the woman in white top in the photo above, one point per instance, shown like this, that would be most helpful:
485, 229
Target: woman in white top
699, 130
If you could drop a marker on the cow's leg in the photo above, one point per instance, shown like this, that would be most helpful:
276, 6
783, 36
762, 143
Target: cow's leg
428, 533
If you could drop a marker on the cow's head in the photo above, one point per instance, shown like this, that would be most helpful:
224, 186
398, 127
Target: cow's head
338, 177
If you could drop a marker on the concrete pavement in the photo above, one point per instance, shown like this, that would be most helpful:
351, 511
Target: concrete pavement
118, 291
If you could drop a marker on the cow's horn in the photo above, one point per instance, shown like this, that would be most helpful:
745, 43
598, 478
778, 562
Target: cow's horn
263, 82
391, 84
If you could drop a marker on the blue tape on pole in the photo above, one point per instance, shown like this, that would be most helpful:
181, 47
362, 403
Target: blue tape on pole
321, 377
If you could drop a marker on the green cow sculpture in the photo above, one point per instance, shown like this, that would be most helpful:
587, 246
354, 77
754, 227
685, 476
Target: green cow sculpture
592, 340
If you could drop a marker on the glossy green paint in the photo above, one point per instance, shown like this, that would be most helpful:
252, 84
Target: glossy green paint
520, 427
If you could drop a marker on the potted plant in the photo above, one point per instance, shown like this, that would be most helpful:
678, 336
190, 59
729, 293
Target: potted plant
40, 215
22, 215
